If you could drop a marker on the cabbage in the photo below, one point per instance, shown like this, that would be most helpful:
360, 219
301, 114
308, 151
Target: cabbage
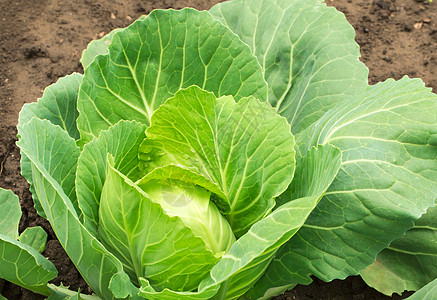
230, 153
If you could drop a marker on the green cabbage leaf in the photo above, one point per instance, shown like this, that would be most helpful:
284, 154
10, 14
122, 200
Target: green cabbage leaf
20, 263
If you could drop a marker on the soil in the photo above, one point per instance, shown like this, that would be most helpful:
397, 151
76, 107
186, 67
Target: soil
41, 40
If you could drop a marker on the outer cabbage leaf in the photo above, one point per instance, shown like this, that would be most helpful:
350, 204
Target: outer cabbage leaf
259, 245
97, 47
306, 50
24, 266
35, 237
314, 174
121, 141
148, 292
428, 292
147, 241
410, 262
387, 180
10, 213
41, 142
152, 59
256, 247
58, 105
20, 263
244, 148
63, 293
65, 174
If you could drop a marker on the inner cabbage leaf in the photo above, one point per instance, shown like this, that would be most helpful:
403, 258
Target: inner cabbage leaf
193, 206
149, 242
244, 149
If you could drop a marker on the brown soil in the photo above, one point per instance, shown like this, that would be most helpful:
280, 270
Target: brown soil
41, 40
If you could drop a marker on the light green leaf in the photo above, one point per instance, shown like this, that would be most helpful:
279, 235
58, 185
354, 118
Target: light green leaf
121, 141
254, 248
10, 213
24, 266
428, 292
306, 50
251, 254
176, 173
314, 174
63, 293
192, 205
64, 173
20, 263
148, 292
147, 241
58, 105
35, 237
410, 262
97, 47
42, 142
152, 59
26, 172
387, 180
244, 148
121, 288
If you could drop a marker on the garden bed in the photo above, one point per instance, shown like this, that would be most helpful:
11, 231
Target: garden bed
42, 40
